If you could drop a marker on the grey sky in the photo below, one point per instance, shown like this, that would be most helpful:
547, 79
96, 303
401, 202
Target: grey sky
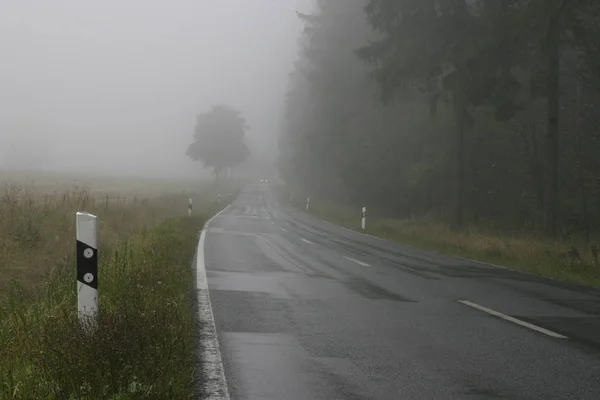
116, 84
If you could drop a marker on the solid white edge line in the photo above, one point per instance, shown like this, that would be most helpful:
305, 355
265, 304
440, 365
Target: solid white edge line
364, 264
306, 241
362, 233
214, 383
511, 319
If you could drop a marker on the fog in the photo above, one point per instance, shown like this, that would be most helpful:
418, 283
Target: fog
114, 86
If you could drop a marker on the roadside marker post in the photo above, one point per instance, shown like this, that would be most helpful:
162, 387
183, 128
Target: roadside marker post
307, 203
87, 270
364, 218
190, 207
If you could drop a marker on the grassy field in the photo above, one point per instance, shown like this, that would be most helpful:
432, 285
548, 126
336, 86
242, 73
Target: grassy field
572, 261
144, 345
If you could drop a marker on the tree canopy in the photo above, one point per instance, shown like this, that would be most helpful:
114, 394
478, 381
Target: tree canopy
219, 139
469, 110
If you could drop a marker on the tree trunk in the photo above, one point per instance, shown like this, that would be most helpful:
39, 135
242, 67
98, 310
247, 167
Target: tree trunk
551, 181
579, 163
460, 109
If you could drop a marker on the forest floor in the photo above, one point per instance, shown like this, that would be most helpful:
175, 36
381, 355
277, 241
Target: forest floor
145, 341
567, 260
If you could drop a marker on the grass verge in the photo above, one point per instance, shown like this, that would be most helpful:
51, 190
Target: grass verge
144, 347
144, 344
566, 260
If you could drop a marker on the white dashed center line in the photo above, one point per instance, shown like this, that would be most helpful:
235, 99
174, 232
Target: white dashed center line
306, 241
513, 320
364, 264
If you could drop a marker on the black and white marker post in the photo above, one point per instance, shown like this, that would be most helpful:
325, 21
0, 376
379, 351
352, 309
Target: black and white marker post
307, 203
364, 218
87, 270
190, 207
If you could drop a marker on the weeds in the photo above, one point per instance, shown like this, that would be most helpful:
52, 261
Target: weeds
144, 344
143, 347
37, 229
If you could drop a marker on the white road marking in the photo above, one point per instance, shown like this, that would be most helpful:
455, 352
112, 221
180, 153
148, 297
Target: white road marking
273, 222
514, 320
284, 230
306, 241
214, 384
357, 262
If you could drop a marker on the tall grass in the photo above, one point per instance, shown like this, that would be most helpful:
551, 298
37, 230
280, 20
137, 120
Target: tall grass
568, 260
37, 228
144, 344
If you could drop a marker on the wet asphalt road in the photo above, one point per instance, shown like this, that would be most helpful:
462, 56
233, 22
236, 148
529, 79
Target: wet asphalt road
307, 310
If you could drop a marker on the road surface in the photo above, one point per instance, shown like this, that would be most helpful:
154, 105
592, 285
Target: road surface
308, 310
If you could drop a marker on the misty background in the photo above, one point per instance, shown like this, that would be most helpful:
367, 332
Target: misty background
113, 87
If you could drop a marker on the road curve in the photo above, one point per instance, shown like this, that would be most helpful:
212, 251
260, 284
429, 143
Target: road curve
308, 310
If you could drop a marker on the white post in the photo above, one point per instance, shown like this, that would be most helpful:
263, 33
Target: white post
87, 269
364, 218
307, 203
190, 207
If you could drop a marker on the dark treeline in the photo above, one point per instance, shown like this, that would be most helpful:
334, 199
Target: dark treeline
478, 111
